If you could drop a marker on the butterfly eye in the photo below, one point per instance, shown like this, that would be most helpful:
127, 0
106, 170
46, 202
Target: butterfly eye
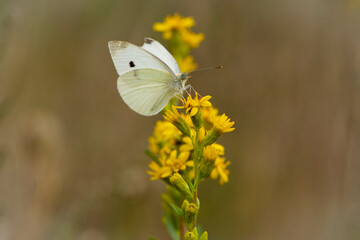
183, 76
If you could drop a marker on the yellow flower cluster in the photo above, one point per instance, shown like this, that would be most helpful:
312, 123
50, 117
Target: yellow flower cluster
172, 145
176, 29
183, 147
178, 23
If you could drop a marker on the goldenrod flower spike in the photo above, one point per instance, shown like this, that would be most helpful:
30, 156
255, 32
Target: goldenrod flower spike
183, 147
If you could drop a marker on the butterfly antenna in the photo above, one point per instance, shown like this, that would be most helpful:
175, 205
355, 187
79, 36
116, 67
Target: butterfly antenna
208, 68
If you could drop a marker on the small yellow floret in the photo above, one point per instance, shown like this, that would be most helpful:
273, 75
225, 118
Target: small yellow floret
178, 163
191, 38
187, 64
173, 23
220, 170
222, 124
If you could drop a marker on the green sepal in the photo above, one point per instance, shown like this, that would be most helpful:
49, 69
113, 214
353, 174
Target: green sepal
204, 236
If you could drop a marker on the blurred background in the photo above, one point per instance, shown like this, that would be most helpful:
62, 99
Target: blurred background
72, 164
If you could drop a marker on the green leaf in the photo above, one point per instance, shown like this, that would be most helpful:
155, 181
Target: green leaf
171, 229
177, 210
152, 238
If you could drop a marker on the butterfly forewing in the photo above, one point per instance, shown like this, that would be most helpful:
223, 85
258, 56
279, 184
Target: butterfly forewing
155, 48
128, 57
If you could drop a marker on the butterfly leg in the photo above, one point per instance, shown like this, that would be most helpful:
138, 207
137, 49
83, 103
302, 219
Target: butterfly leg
191, 88
186, 89
181, 98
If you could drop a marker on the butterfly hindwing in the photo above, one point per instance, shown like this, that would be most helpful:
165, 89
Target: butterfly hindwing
146, 91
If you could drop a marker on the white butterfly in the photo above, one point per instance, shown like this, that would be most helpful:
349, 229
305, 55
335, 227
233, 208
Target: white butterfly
149, 76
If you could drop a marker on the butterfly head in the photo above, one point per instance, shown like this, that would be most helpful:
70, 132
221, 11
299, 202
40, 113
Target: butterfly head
182, 77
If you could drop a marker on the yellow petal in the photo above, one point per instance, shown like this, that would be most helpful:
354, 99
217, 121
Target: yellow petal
206, 104
160, 27
167, 35
190, 163
184, 156
194, 110
173, 154
188, 22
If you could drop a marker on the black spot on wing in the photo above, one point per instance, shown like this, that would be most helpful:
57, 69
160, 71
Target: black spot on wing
148, 40
132, 64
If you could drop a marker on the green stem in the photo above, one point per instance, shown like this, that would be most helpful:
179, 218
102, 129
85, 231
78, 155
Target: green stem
182, 230
196, 165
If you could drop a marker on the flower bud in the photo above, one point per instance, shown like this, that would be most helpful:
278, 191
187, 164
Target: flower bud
184, 206
197, 120
210, 155
181, 185
190, 215
212, 136
193, 235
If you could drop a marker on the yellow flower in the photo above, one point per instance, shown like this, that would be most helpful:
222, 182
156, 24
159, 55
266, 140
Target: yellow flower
222, 124
167, 148
175, 118
187, 64
192, 105
220, 170
164, 138
153, 145
157, 170
219, 149
178, 163
165, 131
173, 23
187, 119
191, 38
210, 153
209, 115
172, 116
